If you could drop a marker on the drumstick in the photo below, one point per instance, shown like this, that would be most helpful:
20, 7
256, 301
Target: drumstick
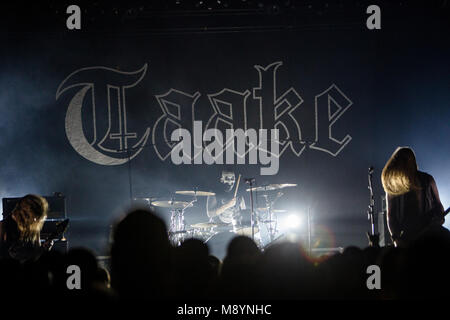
237, 186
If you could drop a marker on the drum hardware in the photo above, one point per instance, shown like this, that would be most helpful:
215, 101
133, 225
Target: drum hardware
273, 210
272, 187
195, 193
201, 233
203, 225
199, 230
257, 223
145, 199
242, 223
174, 205
250, 182
177, 232
273, 224
177, 228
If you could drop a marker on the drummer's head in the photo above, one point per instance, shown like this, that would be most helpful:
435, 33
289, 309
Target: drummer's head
228, 178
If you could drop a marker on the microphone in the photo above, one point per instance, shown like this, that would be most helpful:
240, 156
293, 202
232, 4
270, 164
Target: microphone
371, 169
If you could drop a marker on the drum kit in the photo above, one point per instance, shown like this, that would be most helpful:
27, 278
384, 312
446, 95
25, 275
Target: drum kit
261, 224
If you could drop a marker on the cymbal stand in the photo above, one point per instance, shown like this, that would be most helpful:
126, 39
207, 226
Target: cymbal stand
177, 229
273, 218
175, 223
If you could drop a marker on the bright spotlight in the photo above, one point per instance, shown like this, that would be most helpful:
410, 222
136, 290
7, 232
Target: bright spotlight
293, 221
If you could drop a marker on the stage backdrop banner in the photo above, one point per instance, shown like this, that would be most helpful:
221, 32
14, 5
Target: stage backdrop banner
93, 116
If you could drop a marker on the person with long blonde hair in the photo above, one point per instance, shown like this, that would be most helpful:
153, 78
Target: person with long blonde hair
413, 202
20, 231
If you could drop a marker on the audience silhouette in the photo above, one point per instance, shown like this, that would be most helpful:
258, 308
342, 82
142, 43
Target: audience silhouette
144, 265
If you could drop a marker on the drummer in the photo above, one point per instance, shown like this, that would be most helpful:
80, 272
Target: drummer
222, 207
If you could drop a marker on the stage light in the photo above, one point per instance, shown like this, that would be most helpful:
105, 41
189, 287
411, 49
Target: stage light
293, 221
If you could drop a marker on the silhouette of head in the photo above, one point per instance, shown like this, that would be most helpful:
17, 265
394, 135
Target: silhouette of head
140, 256
242, 246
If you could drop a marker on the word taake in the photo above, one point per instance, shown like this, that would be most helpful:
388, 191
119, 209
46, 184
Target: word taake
113, 141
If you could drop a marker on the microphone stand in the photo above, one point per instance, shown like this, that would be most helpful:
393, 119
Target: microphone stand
128, 152
250, 181
373, 237
130, 176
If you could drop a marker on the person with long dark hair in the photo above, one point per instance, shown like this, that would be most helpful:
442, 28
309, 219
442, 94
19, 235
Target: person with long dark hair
413, 203
20, 231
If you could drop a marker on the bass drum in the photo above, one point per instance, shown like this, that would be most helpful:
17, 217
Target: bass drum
218, 243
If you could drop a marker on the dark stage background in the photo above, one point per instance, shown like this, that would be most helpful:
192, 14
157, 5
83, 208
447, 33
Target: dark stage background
395, 82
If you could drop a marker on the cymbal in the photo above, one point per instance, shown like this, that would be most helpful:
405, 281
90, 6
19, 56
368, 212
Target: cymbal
204, 225
271, 187
144, 199
195, 193
172, 204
